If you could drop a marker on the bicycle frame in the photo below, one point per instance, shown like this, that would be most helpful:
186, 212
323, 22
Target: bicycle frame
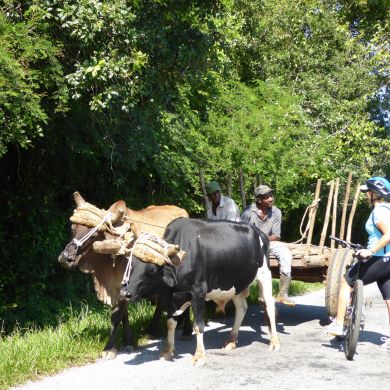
353, 319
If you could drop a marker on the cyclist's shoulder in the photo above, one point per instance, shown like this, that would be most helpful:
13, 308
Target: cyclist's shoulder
383, 207
382, 210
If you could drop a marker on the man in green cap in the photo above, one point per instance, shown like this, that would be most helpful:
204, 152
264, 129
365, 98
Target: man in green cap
220, 206
268, 218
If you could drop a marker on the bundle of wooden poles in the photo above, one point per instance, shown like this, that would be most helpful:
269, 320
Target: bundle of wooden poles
146, 247
122, 238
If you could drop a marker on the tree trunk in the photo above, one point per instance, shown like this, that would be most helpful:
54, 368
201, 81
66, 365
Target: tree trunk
242, 190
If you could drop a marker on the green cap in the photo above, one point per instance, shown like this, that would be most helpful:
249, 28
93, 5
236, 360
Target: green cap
212, 187
262, 190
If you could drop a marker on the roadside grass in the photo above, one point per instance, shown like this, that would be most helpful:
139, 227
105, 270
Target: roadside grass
296, 288
79, 338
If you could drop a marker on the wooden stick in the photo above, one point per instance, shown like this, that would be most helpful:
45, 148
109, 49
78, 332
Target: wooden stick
352, 213
312, 217
242, 191
345, 205
229, 185
327, 214
203, 187
334, 216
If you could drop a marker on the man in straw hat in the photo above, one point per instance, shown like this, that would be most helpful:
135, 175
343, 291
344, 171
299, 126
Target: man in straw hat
220, 206
268, 218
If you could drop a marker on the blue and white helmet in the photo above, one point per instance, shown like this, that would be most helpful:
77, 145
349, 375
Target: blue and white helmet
377, 184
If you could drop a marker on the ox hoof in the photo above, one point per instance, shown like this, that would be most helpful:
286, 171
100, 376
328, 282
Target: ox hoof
199, 361
109, 354
274, 346
229, 346
166, 356
127, 349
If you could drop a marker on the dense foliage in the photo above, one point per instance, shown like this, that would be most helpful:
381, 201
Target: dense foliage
132, 99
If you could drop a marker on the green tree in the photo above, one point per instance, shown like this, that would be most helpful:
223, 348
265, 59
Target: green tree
31, 78
307, 46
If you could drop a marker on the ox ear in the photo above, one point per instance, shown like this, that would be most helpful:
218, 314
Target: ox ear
169, 277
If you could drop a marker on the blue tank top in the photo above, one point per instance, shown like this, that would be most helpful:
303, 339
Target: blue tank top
380, 212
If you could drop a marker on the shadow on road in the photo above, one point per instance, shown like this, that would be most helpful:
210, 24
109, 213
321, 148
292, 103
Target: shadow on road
293, 316
253, 330
364, 336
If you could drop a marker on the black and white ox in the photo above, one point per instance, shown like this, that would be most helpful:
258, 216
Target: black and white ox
223, 259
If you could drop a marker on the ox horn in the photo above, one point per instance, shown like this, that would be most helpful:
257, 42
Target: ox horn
78, 199
117, 216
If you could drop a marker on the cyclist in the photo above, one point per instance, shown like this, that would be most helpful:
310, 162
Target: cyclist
375, 265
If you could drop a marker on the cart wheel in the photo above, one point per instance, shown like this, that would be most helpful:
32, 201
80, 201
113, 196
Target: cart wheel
340, 260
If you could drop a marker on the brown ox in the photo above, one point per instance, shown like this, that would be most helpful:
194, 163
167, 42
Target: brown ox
107, 272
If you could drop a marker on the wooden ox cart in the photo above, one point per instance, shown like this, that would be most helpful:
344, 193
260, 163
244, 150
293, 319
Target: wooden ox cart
319, 263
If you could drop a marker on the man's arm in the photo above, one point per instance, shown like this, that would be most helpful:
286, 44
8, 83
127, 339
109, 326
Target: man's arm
245, 215
209, 212
276, 226
232, 211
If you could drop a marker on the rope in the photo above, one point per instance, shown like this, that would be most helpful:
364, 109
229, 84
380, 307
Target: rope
143, 236
311, 207
80, 242
89, 216
126, 275
145, 223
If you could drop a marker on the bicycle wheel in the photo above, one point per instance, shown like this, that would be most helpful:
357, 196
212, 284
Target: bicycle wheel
354, 320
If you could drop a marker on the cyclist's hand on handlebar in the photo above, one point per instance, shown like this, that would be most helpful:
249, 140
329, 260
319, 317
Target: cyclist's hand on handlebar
364, 254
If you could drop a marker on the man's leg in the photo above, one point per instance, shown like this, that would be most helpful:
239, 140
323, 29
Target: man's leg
344, 294
284, 256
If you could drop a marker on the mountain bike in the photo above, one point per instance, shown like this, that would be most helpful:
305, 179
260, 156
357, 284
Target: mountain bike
354, 318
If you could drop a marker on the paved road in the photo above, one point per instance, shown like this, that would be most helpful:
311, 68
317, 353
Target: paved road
308, 359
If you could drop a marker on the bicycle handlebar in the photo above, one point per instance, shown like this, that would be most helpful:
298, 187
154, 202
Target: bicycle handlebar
346, 244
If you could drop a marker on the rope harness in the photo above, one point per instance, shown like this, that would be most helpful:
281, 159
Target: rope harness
143, 223
80, 242
126, 275
141, 239
77, 244
90, 216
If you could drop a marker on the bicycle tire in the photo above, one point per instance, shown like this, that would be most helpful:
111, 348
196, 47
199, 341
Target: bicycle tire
354, 321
